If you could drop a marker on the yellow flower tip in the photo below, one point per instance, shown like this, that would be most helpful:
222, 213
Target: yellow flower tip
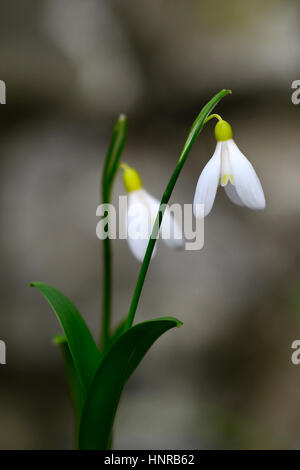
131, 178
225, 178
223, 131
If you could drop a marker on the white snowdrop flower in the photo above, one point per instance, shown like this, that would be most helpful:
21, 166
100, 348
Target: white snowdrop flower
142, 209
229, 168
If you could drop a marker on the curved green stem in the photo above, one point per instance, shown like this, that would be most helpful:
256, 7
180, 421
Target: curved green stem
213, 116
195, 130
110, 169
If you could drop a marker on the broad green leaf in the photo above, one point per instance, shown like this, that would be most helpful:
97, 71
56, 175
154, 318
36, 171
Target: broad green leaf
115, 369
83, 349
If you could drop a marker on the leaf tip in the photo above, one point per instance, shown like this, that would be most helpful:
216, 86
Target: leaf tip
176, 323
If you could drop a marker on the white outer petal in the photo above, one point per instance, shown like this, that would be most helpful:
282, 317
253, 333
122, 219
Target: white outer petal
232, 194
138, 214
208, 182
245, 180
169, 225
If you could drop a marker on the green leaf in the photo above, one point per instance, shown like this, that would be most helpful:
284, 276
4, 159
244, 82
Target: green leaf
114, 371
83, 349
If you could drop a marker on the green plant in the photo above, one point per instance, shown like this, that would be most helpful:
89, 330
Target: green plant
97, 375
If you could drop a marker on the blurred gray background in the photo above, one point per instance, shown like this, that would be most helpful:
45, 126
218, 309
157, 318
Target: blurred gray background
225, 379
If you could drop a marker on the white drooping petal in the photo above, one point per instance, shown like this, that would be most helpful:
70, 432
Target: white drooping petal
139, 223
245, 180
208, 183
226, 175
233, 195
170, 229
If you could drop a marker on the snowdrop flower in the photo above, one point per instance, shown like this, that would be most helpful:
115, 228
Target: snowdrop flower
231, 169
142, 209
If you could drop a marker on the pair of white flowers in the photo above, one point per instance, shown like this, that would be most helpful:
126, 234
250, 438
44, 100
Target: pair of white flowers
228, 167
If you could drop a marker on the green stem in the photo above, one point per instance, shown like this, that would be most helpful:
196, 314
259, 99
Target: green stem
106, 302
213, 116
195, 130
110, 169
